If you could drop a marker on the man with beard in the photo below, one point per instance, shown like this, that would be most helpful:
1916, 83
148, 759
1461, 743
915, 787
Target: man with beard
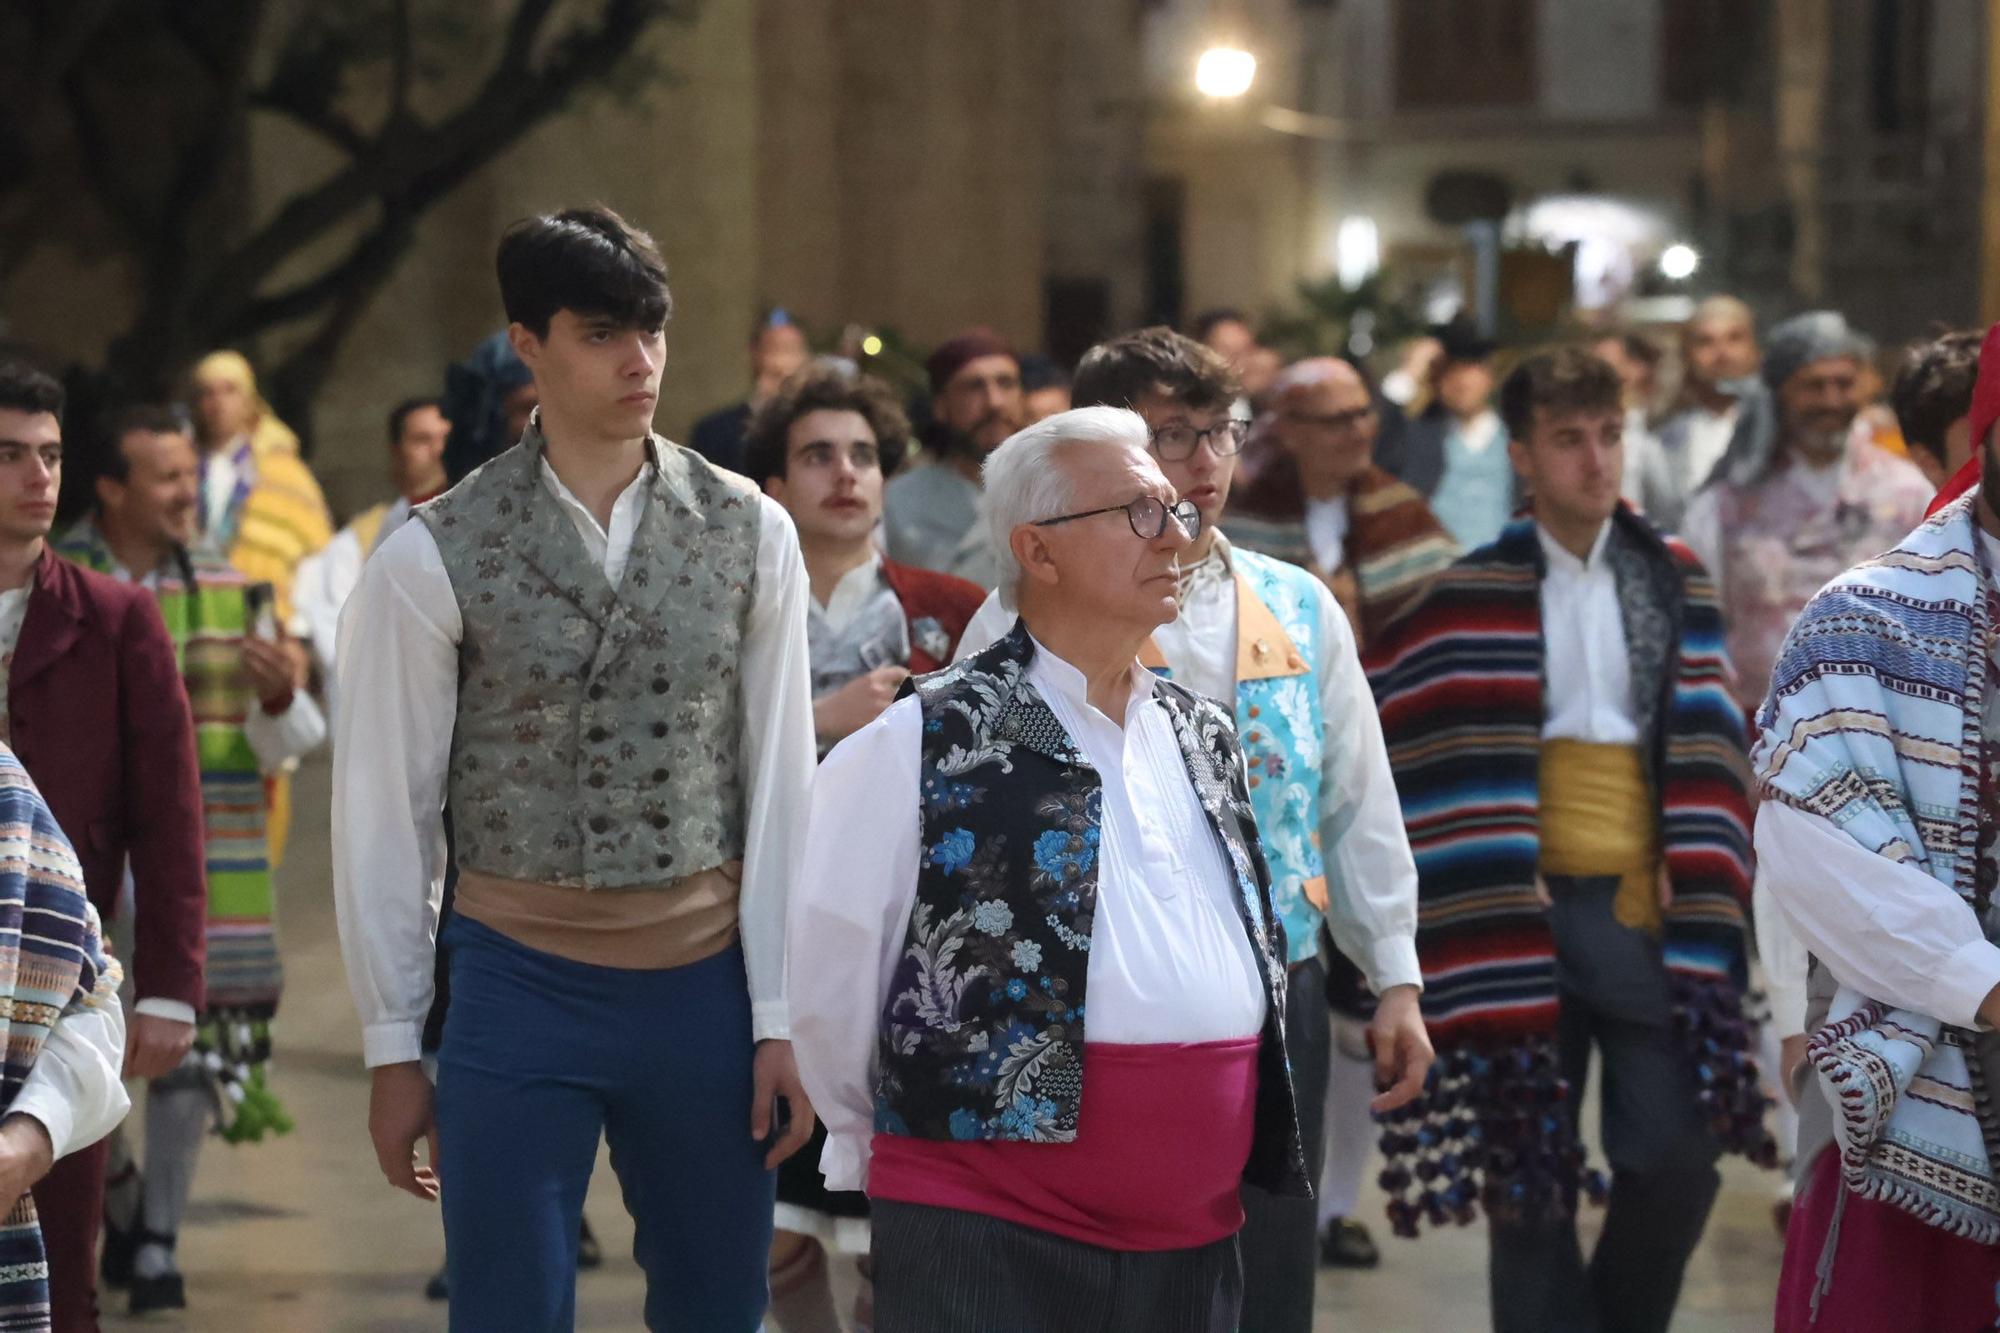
1718, 351
1800, 495
1880, 769
931, 516
253, 716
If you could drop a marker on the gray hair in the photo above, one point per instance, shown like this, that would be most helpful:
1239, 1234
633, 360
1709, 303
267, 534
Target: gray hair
1026, 483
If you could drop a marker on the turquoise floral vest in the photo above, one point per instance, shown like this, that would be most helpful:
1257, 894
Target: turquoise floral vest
982, 1034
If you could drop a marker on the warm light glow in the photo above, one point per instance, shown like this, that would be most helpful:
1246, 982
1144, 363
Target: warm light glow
1357, 250
871, 346
1224, 71
1678, 262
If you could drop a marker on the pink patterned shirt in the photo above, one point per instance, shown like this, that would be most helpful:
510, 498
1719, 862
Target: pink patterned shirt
1772, 545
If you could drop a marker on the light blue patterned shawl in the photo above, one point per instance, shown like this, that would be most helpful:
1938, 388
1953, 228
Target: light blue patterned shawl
1873, 724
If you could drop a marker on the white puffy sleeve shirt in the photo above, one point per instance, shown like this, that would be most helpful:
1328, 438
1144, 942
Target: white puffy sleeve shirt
1170, 960
398, 668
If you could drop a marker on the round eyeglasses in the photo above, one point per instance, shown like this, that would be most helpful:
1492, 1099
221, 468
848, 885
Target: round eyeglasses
1147, 516
1179, 440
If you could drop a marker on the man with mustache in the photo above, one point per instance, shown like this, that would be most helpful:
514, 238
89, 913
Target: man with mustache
1800, 495
931, 515
253, 716
1879, 834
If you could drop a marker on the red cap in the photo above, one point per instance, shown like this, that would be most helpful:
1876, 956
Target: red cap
1985, 411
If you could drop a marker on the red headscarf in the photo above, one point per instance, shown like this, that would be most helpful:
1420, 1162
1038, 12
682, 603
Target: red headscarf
1985, 411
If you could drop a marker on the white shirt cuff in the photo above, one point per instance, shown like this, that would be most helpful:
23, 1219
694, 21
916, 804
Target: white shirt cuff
1965, 980
770, 1020
845, 1161
1393, 962
392, 1043
46, 1106
174, 1011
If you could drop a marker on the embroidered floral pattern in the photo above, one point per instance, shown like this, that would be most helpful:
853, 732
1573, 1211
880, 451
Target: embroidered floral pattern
983, 1032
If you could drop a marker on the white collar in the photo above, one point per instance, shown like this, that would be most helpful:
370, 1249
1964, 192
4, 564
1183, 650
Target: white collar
1055, 674
1560, 558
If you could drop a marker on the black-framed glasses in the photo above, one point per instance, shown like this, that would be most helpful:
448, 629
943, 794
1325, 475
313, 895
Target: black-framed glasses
1179, 440
1147, 516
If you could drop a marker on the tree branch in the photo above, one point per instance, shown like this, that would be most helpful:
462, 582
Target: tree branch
421, 164
326, 122
367, 256
94, 161
402, 63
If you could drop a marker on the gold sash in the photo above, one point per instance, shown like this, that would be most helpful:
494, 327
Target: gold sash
1598, 817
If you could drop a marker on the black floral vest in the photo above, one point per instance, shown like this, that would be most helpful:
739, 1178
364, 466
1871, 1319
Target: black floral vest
983, 1032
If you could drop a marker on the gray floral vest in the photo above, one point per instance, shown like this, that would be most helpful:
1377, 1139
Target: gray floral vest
982, 1035
597, 736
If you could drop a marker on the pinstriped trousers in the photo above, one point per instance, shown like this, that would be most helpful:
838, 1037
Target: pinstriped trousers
943, 1270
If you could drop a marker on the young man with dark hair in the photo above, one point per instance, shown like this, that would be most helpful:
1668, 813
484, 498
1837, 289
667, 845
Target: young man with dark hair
821, 446
1267, 640
594, 649
931, 513
255, 716
418, 432
95, 711
1932, 396
1573, 775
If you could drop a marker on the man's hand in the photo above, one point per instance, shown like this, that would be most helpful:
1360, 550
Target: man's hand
1402, 1049
842, 712
26, 1154
776, 1075
401, 1110
275, 671
1791, 1054
155, 1046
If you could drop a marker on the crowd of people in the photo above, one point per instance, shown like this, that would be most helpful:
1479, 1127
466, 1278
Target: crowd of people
1043, 859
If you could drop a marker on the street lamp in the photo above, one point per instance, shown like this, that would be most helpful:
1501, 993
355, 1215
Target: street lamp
1678, 262
1224, 71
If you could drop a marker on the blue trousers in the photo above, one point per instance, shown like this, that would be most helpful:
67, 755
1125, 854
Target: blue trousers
540, 1056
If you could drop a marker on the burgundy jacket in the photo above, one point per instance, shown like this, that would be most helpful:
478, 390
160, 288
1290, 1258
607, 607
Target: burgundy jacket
99, 716
938, 607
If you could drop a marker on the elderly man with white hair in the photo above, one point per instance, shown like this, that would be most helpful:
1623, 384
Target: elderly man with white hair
1044, 863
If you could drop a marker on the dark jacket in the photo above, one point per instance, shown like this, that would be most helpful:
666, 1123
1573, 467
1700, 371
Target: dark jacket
99, 716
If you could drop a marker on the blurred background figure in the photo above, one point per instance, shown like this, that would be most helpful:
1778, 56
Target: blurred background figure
778, 347
1044, 389
1454, 454
1718, 360
931, 513
1636, 358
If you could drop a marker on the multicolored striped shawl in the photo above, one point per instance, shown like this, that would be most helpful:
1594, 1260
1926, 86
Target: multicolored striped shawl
52, 963
1459, 680
1394, 542
1873, 723
201, 600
